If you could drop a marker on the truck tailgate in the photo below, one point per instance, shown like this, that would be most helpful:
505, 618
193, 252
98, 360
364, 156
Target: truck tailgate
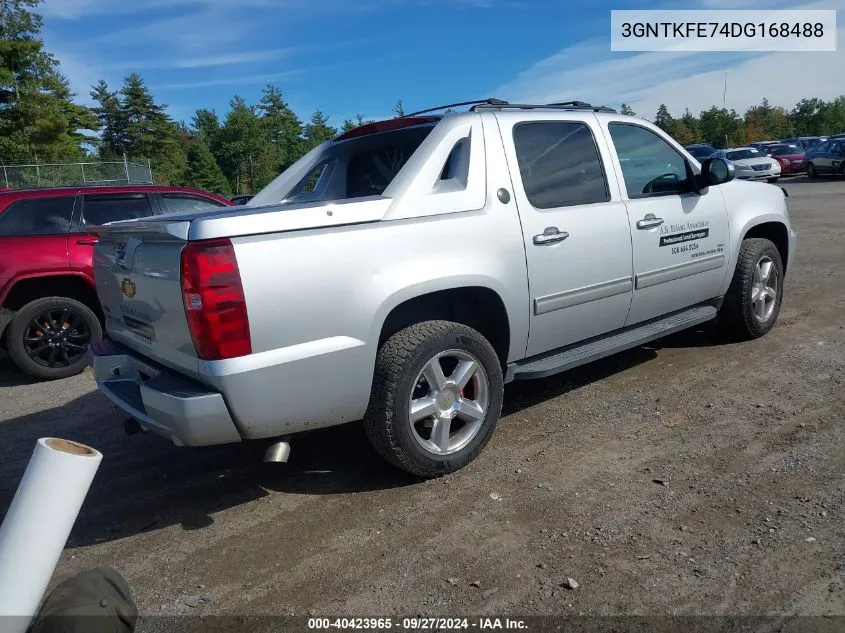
137, 273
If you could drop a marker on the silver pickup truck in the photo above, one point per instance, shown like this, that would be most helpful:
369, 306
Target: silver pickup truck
403, 272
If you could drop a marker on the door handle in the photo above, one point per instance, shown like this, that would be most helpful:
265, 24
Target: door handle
550, 236
649, 222
88, 241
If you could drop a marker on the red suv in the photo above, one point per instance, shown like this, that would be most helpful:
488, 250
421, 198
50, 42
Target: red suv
49, 312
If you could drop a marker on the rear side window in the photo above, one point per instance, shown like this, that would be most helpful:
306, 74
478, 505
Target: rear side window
37, 216
185, 203
103, 208
559, 164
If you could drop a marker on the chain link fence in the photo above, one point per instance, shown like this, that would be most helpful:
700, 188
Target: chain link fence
116, 172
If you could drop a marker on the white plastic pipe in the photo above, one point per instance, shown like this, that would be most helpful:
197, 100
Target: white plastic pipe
38, 523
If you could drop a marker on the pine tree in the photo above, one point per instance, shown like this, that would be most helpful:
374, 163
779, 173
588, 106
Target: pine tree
203, 170
244, 148
113, 131
350, 124
626, 110
150, 132
282, 127
318, 130
38, 117
663, 120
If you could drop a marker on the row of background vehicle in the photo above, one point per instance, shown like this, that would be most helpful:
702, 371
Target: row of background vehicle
813, 155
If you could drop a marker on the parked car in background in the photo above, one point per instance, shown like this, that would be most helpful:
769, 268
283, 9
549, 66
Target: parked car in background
700, 151
49, 312
809, 142
826, 158
790, 157
241, 199
752, 164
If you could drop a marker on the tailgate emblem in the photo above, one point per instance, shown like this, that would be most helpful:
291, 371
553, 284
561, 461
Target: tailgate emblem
127, 288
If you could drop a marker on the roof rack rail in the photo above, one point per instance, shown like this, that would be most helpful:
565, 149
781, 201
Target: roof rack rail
491, 101
564, 105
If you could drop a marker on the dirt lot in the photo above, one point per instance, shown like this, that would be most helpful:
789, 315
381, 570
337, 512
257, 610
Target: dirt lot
688, 477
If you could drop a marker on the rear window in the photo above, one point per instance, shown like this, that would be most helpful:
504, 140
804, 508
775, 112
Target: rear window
742, 154
187, 203
701, 152
359, 167
101, 209
37, 216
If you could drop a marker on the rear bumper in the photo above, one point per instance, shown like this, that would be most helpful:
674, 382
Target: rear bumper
165, 403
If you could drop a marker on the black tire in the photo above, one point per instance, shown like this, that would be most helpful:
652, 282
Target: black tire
83, 329
773, 180
811, 170
737, 316
398, 364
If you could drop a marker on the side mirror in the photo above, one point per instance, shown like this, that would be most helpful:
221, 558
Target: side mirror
716, 171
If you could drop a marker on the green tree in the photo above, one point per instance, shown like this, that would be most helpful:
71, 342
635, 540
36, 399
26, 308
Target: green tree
627, 110
203, 171
398, 108
691, 122
150, 132
318, 130
663, 120
807, 117
351, 124
283, 129
113, 130
721, 127
243, 148
206, 124
38, 117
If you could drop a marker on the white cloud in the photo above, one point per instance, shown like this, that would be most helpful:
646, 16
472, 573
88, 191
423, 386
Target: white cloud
589, 71
230, 81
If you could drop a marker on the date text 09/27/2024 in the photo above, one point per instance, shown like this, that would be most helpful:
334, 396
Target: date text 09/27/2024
416, 624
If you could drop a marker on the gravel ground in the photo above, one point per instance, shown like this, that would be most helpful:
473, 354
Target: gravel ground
687, 477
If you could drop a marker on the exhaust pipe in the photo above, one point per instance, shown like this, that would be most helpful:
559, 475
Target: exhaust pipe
277, 453
131, 426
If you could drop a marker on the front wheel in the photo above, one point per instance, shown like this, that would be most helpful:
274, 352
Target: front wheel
773, 180
49, 337
436, 398
811, 170
753, 301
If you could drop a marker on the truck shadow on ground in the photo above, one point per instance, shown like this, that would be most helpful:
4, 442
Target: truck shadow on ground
145, 483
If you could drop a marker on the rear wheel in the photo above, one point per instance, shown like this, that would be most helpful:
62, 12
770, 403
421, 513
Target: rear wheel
436, 398
752, 303
811, 170
49, 337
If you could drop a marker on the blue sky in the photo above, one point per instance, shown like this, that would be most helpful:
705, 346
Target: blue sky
359, 56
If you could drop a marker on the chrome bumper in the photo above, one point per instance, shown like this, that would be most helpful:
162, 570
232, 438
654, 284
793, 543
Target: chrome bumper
161, 401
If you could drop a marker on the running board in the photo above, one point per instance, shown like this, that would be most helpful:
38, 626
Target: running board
583, 353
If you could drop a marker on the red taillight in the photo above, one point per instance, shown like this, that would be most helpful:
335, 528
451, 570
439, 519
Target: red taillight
214, 300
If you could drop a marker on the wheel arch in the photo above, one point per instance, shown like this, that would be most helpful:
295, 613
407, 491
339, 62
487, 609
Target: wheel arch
774, 231
31, 287
475, 305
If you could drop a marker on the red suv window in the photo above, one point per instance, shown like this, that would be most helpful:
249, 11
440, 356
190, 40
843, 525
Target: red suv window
112, 207
37, 216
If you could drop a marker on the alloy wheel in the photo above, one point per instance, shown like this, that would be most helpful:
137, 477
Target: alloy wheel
764, 289
57, 338
449, 402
